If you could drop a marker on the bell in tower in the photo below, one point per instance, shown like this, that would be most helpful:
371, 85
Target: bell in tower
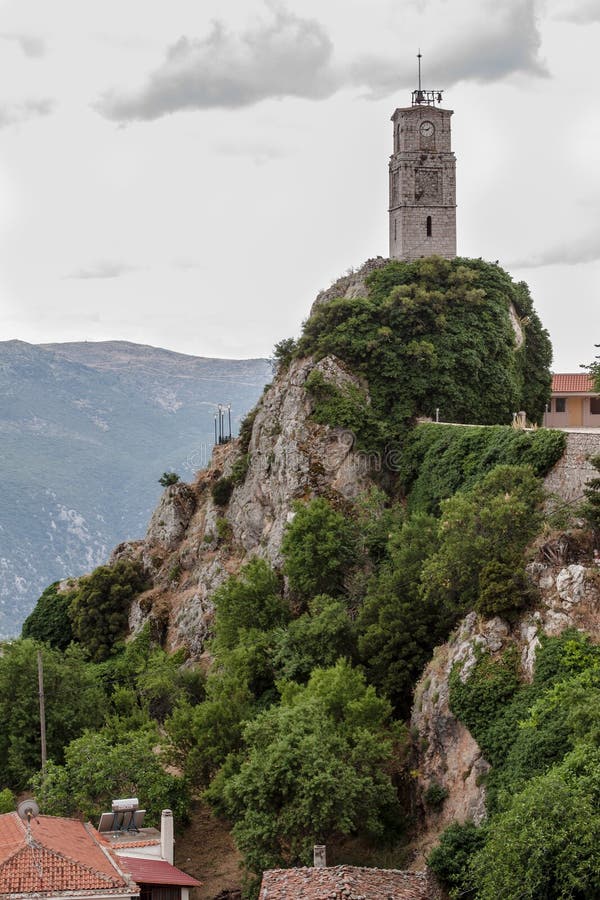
422, 179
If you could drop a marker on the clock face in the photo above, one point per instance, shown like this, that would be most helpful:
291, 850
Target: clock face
427, 129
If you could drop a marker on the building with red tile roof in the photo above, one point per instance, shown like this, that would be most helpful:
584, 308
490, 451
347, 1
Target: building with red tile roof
54, 857
146, 854
574, 402
156, 871
346, 883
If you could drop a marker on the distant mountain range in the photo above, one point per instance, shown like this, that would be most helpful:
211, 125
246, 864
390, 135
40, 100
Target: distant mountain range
86, 429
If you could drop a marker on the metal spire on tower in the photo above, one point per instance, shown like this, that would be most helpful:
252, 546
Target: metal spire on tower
429, 98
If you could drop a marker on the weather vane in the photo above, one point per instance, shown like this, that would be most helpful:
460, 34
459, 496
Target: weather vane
421, 97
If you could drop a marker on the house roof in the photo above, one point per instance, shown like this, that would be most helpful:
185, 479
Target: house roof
342, 882
156, 871
573, 384
56, 856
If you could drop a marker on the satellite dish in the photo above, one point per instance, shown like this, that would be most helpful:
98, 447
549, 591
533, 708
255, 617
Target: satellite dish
28, 809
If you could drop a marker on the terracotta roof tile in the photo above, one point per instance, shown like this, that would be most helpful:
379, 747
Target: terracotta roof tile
572, 383
156, 871
59, 855
126, 845
342, 882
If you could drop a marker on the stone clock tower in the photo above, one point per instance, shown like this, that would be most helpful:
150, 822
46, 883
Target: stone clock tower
422, 180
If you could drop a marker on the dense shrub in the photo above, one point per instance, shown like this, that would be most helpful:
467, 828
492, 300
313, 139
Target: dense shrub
435, 795
100, 606
547, 841
50, 620
434, 334
439, 460
318, 547
248, 601
221, 490
450, 860
246, 426
7, 801
168, 478
591, 508
312, 768
483, 534
74, 701
396, 629
345, 407
316, 639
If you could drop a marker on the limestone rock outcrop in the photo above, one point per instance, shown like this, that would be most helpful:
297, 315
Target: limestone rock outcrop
446, 753
192, 544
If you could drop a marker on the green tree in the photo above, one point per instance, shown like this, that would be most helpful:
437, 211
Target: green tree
397, 629
318, 547
201, 737
250, 600
74, 701
547, 842
312, 769
7, 801
98, 768
100, 606
50, 621
168, 478
318, 638
450, 861
483, 534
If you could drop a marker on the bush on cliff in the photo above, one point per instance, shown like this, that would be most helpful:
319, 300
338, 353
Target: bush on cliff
318, 546
483, 534
100, 606
50, 620
437, 334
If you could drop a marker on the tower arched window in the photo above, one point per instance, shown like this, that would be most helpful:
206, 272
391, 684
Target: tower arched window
428, 226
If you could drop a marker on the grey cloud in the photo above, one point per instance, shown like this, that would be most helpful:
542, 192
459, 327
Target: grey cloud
286, 57
31, 45
585, 250
17, 113
104, 268
507, 43
293, 57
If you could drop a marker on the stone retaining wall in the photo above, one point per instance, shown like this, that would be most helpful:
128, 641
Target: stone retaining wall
570, 475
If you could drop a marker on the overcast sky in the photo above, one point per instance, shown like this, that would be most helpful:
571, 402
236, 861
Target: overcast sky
190, 173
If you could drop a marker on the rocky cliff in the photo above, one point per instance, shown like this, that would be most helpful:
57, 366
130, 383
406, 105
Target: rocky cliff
446, 753
192, 544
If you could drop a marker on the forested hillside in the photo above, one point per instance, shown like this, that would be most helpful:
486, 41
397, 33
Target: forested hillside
275, 632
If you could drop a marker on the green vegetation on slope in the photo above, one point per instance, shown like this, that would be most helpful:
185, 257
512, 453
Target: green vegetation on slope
297, 733
541, 840
432, 334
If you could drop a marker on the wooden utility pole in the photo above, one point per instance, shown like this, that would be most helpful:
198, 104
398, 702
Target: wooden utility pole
42, 706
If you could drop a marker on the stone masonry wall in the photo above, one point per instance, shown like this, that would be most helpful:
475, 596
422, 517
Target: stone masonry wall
570, 475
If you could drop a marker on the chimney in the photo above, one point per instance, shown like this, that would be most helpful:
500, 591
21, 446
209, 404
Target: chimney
320, 856
166, 835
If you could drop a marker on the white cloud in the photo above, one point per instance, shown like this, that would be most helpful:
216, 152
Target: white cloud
569, 253
581, 12
104, 268
31, 45
17, 113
